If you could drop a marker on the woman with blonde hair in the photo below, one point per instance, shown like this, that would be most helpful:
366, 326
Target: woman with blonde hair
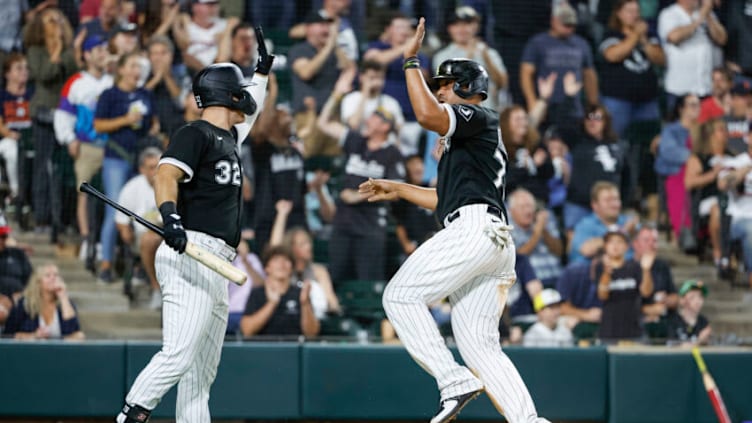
44, 311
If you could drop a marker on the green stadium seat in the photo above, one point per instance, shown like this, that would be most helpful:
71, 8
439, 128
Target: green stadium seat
362, 299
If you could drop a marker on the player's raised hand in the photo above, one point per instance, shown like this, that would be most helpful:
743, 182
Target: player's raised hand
265, 60
413, 45
379, 190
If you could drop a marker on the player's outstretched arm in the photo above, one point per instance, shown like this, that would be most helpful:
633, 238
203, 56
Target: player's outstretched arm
386, 190
428, 111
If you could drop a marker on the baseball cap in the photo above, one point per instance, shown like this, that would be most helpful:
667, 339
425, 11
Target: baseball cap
92, 41
317, 16
126, 27
385, 114
741, 88
4, 227
546, 298
463, 14
614, 230
693, 284
565, 14
206, 1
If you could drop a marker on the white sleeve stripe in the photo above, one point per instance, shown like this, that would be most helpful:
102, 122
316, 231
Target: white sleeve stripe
180, 165
452, 120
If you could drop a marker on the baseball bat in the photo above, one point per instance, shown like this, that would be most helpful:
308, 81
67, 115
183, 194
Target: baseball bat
711, 388
198, 253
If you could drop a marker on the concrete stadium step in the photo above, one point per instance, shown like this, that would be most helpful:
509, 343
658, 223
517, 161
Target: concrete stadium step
114, 321
93, 301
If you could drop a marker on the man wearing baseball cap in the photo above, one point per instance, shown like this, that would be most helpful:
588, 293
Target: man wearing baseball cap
74, 126
15, 268
549, 331
687, 325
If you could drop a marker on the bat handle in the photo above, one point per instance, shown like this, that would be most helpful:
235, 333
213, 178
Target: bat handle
698, 359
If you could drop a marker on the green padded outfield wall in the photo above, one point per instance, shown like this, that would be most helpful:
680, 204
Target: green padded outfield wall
349, 381
660, 387
61, 379
353, 382
259, 380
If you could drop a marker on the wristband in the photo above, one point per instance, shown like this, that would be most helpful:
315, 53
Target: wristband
167, 208
411, 65
411, 62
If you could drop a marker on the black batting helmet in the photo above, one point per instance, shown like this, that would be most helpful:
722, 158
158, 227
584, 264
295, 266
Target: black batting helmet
221, 84
469, 77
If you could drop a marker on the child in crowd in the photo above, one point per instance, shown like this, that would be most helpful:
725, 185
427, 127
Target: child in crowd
688, 326
549, 331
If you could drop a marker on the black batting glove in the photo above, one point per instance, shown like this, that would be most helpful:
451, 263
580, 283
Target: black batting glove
174, 233
265, 60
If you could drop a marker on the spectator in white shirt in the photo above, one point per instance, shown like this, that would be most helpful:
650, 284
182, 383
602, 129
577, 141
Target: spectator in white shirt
357, 106
690, 33
137, 195
205, 30
549, 331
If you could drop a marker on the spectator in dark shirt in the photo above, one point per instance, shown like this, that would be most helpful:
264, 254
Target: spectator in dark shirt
596, 156
701, 179
44, 311
622, 284
558, 50
580, 303
357, 249
316, 64
688, 326
664, 297
629, 84
414, 224
530, 165
106, 21
126, 113
520, 298
165, 85
738, 119
279, 307
278, 168
15, 267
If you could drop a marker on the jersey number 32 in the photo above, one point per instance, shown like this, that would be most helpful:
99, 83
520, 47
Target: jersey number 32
227, 172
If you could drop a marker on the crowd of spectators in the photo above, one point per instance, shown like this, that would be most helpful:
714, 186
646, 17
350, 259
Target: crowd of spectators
93, 89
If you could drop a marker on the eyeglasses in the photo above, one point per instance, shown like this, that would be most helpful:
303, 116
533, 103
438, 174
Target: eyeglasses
595, 116
692, 104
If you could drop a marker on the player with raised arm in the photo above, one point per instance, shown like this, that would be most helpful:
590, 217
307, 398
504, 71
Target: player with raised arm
471, 260
198, 190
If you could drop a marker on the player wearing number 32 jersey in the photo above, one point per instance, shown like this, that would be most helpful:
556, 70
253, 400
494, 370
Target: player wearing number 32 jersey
198, 190
471, 260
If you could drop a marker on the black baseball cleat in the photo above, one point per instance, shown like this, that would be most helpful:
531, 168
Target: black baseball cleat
451, 407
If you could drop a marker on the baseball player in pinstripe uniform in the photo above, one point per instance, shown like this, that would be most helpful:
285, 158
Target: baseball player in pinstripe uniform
198, 190
471, 260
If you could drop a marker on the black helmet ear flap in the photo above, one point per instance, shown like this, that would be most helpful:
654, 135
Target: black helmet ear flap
245, 102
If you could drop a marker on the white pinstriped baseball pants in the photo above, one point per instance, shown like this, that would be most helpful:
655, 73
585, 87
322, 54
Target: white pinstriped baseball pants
194, 319
462, 263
